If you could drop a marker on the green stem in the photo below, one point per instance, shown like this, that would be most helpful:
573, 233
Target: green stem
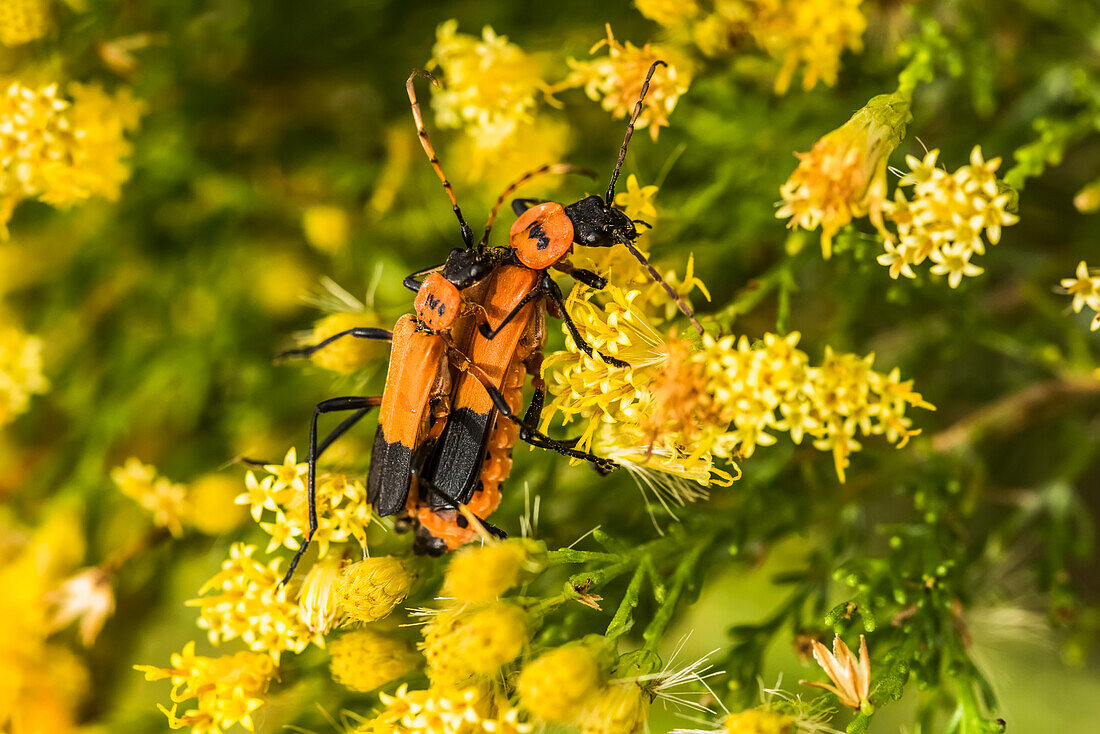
683, 574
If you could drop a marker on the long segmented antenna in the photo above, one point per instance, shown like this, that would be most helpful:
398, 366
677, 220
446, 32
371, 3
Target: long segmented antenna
610, 199
547, 168
467, 233
680, 302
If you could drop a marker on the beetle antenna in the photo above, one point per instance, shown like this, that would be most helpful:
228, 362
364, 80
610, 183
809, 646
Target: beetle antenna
467, 233
680, 302
610, 199
547, 168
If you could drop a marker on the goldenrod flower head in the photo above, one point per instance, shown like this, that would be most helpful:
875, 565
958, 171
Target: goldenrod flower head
20, 371
343, 512
620, 707
478, 574
227, 689
615, 81
667, 12
530, 145
844, 174
62, 152
363, 660
462, 643
23, 21
348, 354
948, 219
88, 597
369, 590
555, 685
489, 85
210, 506
246, 599
809, 33
637, 200
759, 721
445, 709
164, 499
317, 596
1085, 289
326, 228
850, 676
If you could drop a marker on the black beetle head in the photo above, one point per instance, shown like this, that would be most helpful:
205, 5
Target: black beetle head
466, 267
595, 224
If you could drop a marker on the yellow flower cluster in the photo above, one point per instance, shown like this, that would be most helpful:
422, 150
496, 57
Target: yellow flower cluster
946, 218
248, 602
480, 574
679, 407
812, 34
759, 721
23, 21
445, 709
616, 81
490, 86
556, 685
363, 660
326, 228
43, 684
343, 512
61, 152
620, 707
349, 354
227, 689
473, 642
164, 499
1085, 289
20, 371
844, 175
370, 589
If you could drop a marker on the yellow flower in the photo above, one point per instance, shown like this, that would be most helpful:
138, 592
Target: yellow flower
87, 597
948, 219
489, 85
444, 709
348, 354
759, 721
164, 499
210, 507
363, 660
248, 601
1084, 287
667, 12
1087, 199
462, 643
480, 574
62, 152
844, 174
326, 228
369, 590
555, 685
317, 597
23, 21
616, 81
227, 689
637, 201
530, 145
20, 371
809, 33
620, 707
850, 676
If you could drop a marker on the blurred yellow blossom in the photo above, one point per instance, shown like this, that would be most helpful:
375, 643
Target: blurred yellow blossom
227, 689
1085, 289
844, 175
667, 12
246, 600
1087, 200
62, 152
466, 642
809, 33
363, 660
555, 685
23, 21
947, 217
620, 707
210, 504
164, 499
489, 85
326, 228
20, 371
759, 721
531, 145
482, 573
88, 597
615, 81
850, 676
348, 354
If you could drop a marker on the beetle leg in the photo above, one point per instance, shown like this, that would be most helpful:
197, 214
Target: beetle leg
359, 332
413, 281
490, 333
554, 292
333, 405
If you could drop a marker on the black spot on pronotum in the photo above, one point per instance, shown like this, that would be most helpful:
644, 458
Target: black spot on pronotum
441, 310
536, 232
